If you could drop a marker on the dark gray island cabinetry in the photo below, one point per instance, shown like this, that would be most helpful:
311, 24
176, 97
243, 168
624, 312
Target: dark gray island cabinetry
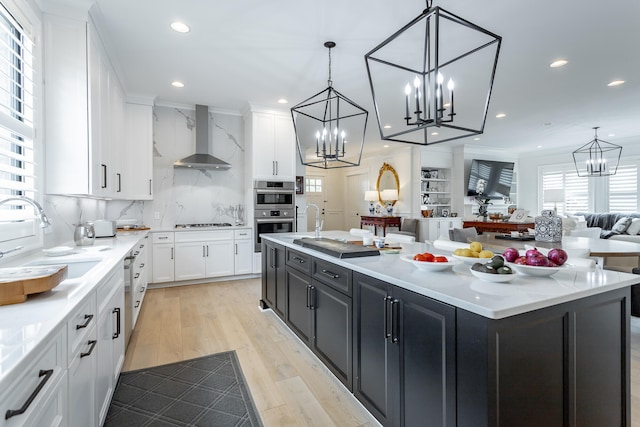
444, 349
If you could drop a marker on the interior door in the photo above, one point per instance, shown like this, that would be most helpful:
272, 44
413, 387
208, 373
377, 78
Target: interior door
356, 205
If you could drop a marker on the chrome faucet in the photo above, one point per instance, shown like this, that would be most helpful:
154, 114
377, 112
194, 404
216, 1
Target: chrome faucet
42, 217
318, 223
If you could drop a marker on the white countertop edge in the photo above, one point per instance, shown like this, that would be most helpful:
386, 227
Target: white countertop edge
460, 293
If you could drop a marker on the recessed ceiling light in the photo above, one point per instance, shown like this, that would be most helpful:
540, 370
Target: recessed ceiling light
476, 138
558, 63
611, 135
180, 27
500, 115
616, 83
434, 133
387, 126
386, 145
177, 84
282, 101
539, 146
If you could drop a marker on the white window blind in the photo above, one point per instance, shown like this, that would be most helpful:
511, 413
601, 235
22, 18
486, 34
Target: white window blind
17, 174
576, 189
623, 189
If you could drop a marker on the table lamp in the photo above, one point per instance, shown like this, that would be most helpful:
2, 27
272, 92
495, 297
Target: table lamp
554, 195
371, 196
389, 196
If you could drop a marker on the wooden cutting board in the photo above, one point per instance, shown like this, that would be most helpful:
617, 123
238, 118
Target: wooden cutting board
16, 283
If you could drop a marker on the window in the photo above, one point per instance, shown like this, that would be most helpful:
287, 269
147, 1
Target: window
313, 185
17, 164
576, 189
614, 193
623, 189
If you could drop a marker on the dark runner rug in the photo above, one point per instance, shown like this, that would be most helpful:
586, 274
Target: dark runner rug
207, 391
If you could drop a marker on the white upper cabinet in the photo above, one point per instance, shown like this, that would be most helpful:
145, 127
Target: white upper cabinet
271, 139
138, 172
84, 107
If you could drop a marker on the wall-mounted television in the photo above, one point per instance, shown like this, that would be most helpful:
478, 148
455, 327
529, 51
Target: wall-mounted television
490, 178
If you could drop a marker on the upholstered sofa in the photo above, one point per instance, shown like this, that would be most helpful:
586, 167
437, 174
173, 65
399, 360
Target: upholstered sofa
616, 226
613, 225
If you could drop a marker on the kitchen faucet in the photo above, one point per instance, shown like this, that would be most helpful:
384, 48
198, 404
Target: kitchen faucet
42, 217
318, 223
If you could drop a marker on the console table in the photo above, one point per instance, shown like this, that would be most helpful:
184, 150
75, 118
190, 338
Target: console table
498, 226
381, 221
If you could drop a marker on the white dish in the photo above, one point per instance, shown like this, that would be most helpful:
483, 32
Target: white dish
531, 270
389, 251
58, 250
491, 277
430, 266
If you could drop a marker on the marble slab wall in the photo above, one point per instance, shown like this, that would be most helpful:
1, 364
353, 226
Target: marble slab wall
184, 195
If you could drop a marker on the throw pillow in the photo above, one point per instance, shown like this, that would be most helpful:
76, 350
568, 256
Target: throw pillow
634, 227
621, 225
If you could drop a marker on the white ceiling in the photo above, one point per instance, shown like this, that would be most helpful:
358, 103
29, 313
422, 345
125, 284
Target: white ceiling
259, 51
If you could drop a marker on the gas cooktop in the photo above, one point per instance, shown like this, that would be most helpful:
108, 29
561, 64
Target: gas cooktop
203, 225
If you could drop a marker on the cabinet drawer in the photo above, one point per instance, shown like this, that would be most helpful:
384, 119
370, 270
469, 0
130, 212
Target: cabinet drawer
41, 379
167, 237
299, 261
80, 322
242, 234
203, 236
339, 278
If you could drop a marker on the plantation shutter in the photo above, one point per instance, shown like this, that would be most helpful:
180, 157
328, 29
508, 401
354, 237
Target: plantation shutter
17, 174
623, 189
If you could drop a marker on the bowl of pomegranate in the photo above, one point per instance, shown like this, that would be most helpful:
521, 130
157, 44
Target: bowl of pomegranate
427, 261
535, 263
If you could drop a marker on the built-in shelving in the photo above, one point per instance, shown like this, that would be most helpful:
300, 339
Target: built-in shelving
435, 190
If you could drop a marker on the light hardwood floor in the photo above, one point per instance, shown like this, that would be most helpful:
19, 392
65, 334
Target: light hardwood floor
289, 386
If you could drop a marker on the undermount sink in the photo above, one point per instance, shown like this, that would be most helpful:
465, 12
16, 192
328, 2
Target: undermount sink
76, 268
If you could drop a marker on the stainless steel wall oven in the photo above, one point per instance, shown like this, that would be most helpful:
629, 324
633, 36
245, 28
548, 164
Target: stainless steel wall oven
274, 195
274, 208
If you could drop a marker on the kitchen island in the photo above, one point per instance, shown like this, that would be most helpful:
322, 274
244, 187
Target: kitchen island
448, 349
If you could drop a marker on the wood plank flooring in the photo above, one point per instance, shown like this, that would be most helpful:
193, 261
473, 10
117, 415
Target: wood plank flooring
289, 386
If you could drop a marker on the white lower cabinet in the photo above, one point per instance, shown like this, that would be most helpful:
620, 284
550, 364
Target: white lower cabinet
38, 396
433, 228
110, 346
82, 379
190, 260
194, 255
163, 257
243, 252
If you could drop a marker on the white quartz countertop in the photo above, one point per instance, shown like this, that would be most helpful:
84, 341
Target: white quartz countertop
458, 287
25, 327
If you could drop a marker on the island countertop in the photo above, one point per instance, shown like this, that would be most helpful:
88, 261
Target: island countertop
459, 288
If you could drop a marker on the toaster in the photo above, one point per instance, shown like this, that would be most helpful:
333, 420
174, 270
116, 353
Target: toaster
104, 228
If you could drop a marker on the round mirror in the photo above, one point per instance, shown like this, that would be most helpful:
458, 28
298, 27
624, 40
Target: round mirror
387, 180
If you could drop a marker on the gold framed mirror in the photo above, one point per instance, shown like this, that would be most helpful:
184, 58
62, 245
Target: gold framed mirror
387, 180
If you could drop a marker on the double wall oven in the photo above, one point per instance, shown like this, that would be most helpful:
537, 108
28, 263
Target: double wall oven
273, 209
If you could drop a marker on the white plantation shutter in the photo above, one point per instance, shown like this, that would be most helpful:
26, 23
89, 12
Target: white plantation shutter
17, 168
623, 189
576, 189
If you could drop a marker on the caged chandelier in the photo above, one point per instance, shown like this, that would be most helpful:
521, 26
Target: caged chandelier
326, 125
423, 63
597, 157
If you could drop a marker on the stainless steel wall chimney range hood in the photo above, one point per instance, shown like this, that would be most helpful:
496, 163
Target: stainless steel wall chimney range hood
202, 158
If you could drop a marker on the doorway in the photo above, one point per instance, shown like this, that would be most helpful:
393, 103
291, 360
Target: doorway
316, 193
357, 184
